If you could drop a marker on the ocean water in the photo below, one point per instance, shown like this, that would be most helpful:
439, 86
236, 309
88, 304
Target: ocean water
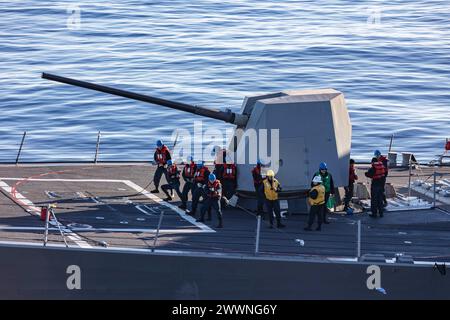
390, 58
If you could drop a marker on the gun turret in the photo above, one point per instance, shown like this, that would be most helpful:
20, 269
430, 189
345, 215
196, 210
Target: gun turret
227, 116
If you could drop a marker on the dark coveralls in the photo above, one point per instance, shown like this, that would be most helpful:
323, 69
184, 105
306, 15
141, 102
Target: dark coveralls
188, 177
201, 178
160, 156
213, 193
377, 174
352, 177
259, 189
173, 175
328, 183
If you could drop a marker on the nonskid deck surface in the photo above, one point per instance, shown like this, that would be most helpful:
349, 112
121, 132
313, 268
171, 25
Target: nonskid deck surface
100, 204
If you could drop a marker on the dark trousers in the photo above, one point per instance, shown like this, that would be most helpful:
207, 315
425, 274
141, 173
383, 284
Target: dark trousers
273, 206
384, 192
212, 202
157, 177
260, 197
228, 188
196, 194
376, 199
348, 194
172, 185
188, 186
317, 210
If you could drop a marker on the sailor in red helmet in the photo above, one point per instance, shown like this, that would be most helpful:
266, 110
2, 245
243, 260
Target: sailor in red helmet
229, 178
377, 173
161, 156
213, 192
384, 161
188, 176
259, 187
173, 179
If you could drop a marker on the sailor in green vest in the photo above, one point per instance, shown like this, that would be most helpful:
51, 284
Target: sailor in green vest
327, 182
316, 199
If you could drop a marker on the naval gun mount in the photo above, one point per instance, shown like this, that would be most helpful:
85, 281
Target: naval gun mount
313, 126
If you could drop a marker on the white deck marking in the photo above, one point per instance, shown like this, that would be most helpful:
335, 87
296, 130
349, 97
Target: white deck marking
131, 230
160, 201
204, 228
139, 207
31, 208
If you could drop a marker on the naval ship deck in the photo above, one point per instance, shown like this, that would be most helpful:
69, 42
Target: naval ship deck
106, 204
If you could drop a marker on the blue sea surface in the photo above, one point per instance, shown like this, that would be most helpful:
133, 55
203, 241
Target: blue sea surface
391, 59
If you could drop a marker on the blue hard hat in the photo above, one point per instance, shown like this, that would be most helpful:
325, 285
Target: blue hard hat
159, 143
258, 162
350, 211
169, 162
212, 177
377, 153
200, 163
190, 158
323, 166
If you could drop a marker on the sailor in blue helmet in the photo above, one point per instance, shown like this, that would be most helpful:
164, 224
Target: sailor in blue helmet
173, 179
188, 176
200, 180
213, 192
161, 156
327, 182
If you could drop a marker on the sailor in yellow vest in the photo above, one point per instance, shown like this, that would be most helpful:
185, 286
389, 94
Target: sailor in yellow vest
271, 189
316, 199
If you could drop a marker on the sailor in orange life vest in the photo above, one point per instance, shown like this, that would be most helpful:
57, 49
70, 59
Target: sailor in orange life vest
377, 174
173, 176
352, 177
161, 156
188, 176
259, 188
271, 189
383, 160
200, 179
229, 179
213, 191
316, 199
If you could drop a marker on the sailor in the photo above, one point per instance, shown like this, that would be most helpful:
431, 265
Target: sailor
259, 188
188, 176
383, 160
327, 182
352, 177
316, 199
377, 174
213, 192
271, 189
229, 179
161, 155
173, 176
200, 179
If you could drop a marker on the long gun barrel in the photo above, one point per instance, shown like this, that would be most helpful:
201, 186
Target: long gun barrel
226, 116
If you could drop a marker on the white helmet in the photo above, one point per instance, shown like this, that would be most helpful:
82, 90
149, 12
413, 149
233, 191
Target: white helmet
317, 179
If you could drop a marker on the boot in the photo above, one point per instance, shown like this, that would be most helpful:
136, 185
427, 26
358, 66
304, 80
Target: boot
155, 191
220, 225
280, 225
168, 198
372, 215
307, 228
319, 228
182, 206
200, 220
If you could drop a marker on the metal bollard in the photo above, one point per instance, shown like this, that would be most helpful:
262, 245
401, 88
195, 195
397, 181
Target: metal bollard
258, 231
157, 230
358, 248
